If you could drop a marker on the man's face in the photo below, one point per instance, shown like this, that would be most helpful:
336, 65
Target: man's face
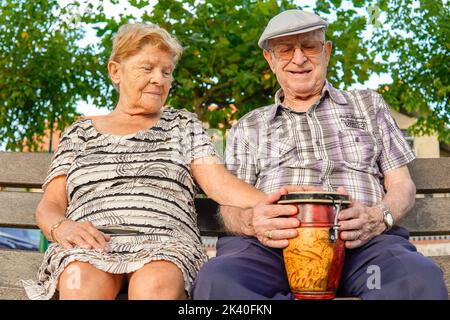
303, 74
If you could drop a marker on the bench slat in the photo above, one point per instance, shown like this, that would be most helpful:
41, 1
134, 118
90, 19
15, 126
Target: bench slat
429, 215
17, 265
12, 294
25, 169
17, 209
431, 175
444, 263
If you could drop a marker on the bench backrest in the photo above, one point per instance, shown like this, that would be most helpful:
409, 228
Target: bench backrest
430, 216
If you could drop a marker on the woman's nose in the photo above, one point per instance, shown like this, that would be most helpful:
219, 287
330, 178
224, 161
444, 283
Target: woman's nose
157, 77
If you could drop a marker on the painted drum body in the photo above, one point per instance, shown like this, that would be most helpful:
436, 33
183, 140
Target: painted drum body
314, 259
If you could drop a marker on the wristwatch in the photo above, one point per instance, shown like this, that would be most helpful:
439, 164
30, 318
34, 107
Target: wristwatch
388, 219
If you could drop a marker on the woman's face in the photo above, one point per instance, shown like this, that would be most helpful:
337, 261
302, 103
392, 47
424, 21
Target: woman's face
144, 79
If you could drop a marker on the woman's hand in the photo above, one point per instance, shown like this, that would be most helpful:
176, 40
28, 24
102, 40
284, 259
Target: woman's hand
83, 234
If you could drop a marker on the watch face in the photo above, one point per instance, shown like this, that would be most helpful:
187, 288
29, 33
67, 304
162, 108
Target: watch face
388, 218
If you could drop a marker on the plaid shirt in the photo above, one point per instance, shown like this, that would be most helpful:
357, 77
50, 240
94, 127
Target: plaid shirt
348, 138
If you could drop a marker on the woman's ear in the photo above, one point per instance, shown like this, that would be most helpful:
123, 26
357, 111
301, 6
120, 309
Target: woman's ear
114, 72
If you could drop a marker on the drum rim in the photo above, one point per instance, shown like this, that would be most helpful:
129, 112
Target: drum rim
314, 197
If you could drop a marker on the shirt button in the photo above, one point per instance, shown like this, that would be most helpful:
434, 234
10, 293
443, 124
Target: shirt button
317, 142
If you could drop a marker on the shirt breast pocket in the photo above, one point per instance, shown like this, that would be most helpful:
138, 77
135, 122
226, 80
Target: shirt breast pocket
358, 148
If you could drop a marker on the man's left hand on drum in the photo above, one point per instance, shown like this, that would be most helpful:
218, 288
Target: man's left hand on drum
359, 223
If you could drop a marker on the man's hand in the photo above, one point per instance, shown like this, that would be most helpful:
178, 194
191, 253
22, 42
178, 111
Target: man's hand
272, 223
359, 224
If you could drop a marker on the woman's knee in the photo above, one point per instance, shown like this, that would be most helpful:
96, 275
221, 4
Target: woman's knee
81, 280
157, 280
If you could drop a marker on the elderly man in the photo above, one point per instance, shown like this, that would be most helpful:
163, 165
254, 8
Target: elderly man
315, 134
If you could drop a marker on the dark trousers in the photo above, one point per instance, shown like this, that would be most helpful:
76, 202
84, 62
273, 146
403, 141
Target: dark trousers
244, 269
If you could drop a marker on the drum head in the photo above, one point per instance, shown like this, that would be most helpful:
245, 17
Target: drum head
315, 197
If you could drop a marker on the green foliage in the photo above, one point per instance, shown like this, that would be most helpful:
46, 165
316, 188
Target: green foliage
421, 71
222, 74
44, 73
352, 60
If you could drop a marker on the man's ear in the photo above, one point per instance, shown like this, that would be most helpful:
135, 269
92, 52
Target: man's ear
114, 72
269, 59
328, 48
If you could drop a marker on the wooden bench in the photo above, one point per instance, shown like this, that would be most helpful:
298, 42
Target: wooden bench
430, 216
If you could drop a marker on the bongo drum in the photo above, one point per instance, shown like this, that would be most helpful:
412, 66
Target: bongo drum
314, 259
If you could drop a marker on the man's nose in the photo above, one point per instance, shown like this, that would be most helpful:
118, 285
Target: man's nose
298, 56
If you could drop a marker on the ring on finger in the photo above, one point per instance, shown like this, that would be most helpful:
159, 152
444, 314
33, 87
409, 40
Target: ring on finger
268, 234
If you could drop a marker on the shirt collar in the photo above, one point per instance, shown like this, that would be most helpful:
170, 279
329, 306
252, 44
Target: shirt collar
335, 94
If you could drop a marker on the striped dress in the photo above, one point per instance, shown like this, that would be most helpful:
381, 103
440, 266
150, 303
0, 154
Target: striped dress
136, 187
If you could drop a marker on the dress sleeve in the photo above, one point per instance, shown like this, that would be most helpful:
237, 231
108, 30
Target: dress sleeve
64, 155
197, 142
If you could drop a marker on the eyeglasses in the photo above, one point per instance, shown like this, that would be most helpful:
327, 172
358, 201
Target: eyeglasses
285, 51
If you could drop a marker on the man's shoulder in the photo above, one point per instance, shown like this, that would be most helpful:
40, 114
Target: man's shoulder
366, 95
368, 99
256, 117
360, 93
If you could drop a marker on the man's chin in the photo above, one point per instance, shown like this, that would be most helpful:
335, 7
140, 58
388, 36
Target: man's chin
302, 89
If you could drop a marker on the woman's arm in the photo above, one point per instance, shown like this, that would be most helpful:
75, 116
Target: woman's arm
51, 212
244, 209
52, 207
222, 186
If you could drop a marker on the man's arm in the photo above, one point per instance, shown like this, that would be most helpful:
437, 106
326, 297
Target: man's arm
401, 192
359, 223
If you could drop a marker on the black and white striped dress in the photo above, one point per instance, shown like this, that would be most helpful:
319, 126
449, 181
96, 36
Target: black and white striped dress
138, 186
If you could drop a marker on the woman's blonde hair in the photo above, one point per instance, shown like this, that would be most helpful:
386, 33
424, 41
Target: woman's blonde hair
131, 37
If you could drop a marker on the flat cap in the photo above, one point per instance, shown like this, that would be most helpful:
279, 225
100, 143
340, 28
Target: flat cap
290, 22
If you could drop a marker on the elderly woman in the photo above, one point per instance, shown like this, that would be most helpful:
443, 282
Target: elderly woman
118, 201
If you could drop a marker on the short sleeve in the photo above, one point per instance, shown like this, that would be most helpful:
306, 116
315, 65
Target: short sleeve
64, 155
395, 151
197, 142
240, 157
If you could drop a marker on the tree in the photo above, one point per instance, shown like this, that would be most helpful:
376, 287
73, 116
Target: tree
418, 35
222, 74
44, 72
